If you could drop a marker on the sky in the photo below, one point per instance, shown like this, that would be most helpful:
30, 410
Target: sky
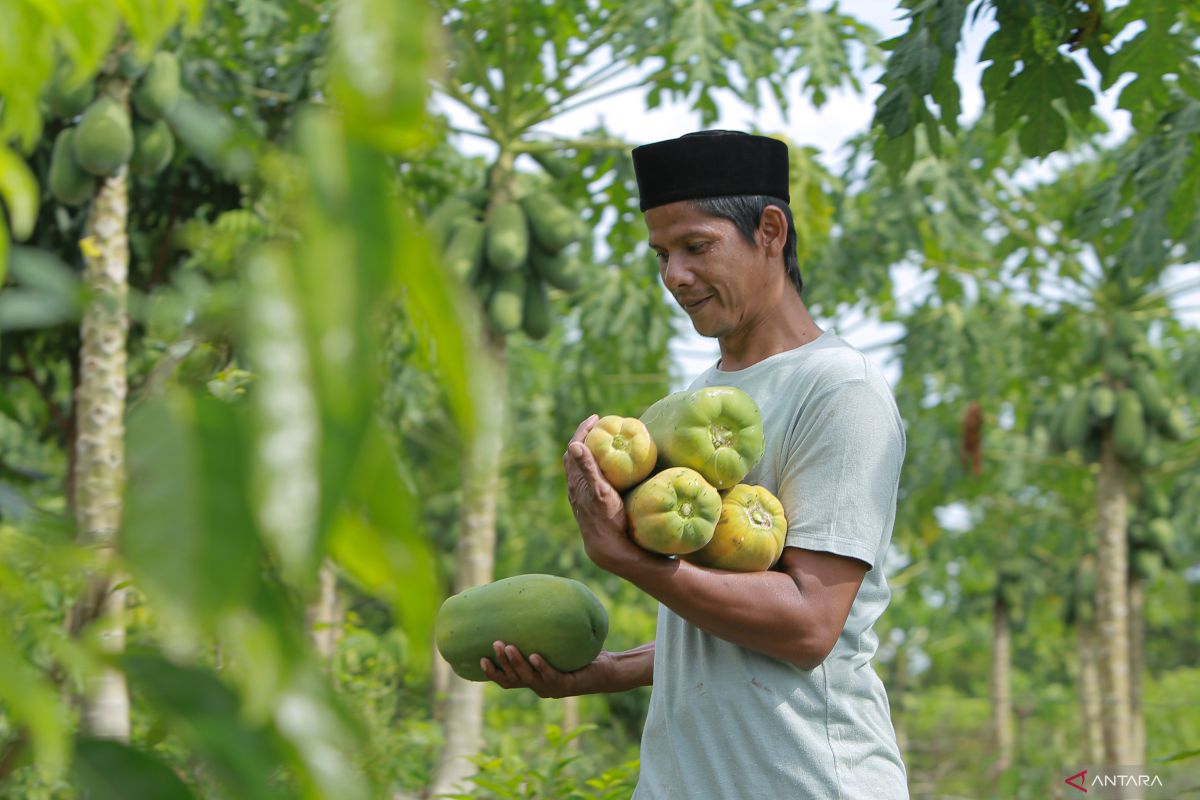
845, 114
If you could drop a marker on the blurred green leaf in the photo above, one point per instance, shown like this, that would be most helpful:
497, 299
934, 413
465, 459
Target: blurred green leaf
108, 770
33, 704
19, 189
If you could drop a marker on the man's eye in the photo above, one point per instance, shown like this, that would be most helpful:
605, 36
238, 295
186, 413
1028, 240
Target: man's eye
661, 256
698, 247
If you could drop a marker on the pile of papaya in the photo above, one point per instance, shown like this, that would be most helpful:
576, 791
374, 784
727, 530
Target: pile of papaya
1124, 397
510, 252
104, 140
679, 467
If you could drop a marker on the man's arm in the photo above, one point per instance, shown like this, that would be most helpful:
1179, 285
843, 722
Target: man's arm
795, 612
610, 672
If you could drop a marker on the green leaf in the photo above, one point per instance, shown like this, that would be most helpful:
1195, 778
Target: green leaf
19, 189
33, 703
108, 770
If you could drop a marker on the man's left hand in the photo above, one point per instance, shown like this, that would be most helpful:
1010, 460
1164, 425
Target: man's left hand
598, 507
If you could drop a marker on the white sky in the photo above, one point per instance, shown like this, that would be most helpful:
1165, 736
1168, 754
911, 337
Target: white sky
844, 115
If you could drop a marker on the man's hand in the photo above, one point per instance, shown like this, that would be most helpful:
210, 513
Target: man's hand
598, 507
513, 671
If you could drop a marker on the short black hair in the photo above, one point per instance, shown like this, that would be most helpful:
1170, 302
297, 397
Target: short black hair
745, 212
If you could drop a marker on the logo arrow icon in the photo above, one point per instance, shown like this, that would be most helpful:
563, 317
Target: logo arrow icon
1080, 776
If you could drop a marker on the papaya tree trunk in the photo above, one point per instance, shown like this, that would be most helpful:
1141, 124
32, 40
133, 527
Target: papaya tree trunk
473, 559
100, 437
570, 709
1089, 694
1137, 661
1112, 605
324, 616
1002, 712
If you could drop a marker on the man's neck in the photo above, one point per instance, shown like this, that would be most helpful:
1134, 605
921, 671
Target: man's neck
787, 327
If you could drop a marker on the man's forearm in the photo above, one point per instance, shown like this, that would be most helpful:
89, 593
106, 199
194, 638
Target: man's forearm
625, 670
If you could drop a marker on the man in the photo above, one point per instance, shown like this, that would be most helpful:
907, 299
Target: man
762, 682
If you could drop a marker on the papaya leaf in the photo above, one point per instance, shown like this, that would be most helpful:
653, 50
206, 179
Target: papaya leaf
109, 770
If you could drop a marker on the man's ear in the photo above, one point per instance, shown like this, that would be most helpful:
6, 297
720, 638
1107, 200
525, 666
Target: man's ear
773, 230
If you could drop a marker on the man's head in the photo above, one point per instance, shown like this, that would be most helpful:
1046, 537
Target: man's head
716, 206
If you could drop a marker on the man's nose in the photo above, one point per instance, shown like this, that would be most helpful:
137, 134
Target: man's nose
675, 273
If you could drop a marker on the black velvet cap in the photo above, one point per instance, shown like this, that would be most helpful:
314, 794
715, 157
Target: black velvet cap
710, 164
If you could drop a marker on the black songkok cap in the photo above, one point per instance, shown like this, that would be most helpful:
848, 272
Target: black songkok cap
710, 164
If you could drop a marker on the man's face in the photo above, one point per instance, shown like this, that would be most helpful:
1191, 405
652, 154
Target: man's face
720, 280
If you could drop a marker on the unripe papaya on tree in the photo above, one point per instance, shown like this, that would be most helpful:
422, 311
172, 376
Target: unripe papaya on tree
1103, 401
157, 92
507, 239
555, 167
537, 315
1150, 393
1175, 426
1116, 365
505, 304
1125, 330
464, 255
1129, 429
553, 226
153, 147
444, 221
1155, 500
1075, 423
131, 64
69, 184
1160, 534
556, 269
64, 100
103, 141
1146, 564
1152, 453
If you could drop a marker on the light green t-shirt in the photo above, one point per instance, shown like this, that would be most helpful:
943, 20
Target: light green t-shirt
727, 723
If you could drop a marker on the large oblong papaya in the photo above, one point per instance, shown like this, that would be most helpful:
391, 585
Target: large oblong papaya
557, 618
716, 430
507, 238
506, 303
750, 533
69, 184
553, 225
673, 512
157, 92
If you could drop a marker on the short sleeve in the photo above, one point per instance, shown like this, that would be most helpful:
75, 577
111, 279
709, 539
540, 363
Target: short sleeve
841, 471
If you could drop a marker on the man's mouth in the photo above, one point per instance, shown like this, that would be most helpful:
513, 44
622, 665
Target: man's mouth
692, 305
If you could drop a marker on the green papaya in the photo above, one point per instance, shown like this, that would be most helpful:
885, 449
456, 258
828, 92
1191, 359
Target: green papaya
1152, 453
103, 141
1103, 401
537, 313
674, 511
715, 430
1129, 429
1125, 330
1175, 426
506, 301
64, 100
131, 64
464, 254
553, 225
157, 92
1150, 393
1076, 421
69, 184
556, 269
555, 166
1146, 564
1116, 365
507, 239
153, 147
559, 619
443, 223
1155, 500
1160, 534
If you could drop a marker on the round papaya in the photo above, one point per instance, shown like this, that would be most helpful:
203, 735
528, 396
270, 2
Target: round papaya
157, 92
69, 184
750, 532
64, 99
507, 240
559, 619
716, 430
673, 512
623, 450
153, 147
103, 141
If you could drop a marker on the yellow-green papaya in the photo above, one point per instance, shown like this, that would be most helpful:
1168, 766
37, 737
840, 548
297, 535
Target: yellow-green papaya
553, 226
153, 148
507, 239
103, 141
537, 315
750, 532
69, 184
623, 450
716, 430
559, 619
673, 512
157, 92
1129, 428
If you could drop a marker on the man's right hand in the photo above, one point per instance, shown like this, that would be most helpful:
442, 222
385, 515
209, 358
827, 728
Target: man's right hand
513, 671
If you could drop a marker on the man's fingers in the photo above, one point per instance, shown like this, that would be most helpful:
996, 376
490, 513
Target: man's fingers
584, 427
521, 667
547, 672
493, 674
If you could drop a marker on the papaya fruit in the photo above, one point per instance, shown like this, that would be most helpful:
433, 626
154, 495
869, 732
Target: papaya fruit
157, 92
555, 166
131, 64
1146, 564
1155, 500
623, 450
444, 222
556, 269
1175, 426
153, 147
673, 512
552, 224
1152, 454
1129, 428
506, 301
1150, 393
464, 254
750, 532
507, 239
103, 140
69, 184
1103, 401
716, 430
1116, 365
64, 99
559, 619
1075, 422
1160, 534
1125, 330
537, 315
